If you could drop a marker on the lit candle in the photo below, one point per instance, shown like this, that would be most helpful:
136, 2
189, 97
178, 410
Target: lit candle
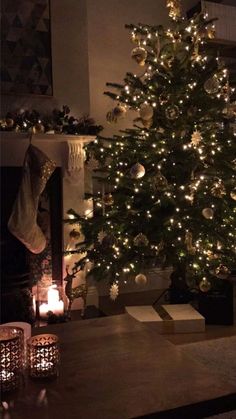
44, 365
53, 295
43, 310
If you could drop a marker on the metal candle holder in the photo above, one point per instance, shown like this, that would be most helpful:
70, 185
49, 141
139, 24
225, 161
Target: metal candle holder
11, 357
43, 356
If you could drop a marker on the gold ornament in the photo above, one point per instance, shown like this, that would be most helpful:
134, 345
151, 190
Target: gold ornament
38, 128
212, 85
140, 279
205, 285
189, 243
141, 240
114, 292
218, 189
139, 54
230, 111
211, 32
116, 113
175, 9
146, 112
233, 194
208, 213
172, 112
196, 138
222, 272
108, 199
137, 171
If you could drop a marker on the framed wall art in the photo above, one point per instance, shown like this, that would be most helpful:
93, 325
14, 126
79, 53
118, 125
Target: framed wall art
26, 63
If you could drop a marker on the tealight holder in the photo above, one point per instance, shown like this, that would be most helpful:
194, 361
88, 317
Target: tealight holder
11, 357
43, 356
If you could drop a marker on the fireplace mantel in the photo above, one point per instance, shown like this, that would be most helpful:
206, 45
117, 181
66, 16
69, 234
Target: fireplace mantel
68, 153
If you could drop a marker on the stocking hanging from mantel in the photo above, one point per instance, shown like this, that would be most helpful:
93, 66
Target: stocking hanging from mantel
37, 169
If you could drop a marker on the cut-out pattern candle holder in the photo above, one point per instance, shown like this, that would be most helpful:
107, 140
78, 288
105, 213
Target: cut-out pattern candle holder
11, 357
43, 356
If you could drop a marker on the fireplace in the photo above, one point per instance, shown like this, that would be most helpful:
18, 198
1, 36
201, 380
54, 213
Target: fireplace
64, 190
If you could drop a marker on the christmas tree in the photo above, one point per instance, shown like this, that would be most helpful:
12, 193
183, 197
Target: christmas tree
167, 185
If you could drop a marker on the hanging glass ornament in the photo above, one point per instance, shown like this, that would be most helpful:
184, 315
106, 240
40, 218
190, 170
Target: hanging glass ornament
74, 234
116, 113
196, 138
141, 279
114, 291
189, 243
218, 189
205, 285
233, 194
146, 112
159, 182
108, 199
139, 54
208, 213
212, 85
222, 272
137, 171
172, 112
141, 240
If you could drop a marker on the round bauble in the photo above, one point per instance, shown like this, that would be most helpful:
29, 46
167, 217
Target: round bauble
212, 85
116, 113
172, 112
222, 272
108, 200
146, 112
159, 182
233, 194
205, 285
139, 54
141, 279
141, 240
38, 128
208, 213
137, 171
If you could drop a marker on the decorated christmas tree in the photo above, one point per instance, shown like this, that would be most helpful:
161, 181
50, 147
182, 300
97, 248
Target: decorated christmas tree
167, 186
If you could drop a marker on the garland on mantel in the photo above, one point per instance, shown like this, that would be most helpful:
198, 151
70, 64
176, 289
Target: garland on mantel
59, 122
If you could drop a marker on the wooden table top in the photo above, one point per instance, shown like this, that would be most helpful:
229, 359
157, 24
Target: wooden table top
117, 368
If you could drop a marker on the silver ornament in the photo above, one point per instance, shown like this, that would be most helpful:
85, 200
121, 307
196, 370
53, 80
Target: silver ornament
139, 54
212, 85
222, 272
205, 285
116, 113
140, 279
208, 213
137, 171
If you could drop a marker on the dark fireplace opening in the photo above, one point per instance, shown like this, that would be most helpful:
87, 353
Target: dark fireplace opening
20, 269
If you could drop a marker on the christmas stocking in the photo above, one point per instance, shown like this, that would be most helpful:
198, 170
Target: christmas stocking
37, 169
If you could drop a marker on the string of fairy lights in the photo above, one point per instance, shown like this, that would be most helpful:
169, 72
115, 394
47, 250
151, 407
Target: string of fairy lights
171, 178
